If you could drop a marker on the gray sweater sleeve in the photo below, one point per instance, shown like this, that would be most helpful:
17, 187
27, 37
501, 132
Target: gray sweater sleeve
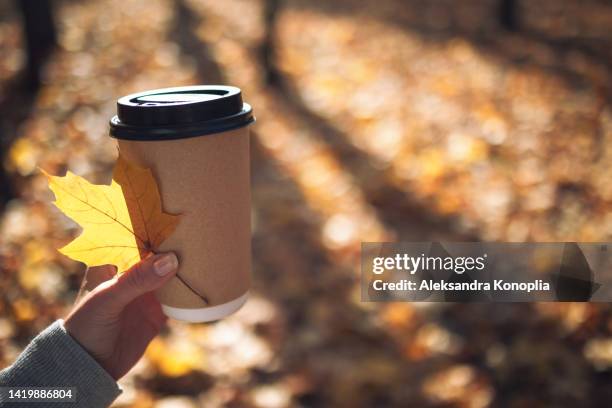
55, 359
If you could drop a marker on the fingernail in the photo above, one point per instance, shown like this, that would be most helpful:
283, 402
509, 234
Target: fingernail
165, 264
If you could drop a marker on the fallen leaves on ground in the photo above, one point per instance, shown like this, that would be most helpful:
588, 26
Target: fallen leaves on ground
405, 120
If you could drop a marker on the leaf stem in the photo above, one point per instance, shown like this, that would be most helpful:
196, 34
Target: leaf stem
204, 298
184, 282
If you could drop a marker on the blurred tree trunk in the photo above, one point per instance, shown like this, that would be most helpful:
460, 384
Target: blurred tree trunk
15, 105
268, 46
183, 33
40, 36
508, 14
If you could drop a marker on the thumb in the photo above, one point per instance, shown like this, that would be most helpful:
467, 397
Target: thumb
147, 275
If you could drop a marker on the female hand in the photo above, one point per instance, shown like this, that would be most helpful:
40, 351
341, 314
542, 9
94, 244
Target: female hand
116, 321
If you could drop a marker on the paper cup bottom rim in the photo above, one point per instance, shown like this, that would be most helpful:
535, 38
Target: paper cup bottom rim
206, 314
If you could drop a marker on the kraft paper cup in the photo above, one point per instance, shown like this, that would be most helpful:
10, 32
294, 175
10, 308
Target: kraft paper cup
200, 159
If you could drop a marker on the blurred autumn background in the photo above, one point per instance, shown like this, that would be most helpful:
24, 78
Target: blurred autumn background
389, 120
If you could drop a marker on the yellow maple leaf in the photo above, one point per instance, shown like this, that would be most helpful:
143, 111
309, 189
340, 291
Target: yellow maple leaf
121, 222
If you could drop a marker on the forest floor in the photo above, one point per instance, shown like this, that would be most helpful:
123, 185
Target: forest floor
399, 120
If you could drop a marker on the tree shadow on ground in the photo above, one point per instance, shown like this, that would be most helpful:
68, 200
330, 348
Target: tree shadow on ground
482, 326
322, 331
183, 34
581, 62
477, 21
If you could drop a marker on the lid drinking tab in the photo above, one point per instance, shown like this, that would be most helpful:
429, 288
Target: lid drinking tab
151, 100
176, 113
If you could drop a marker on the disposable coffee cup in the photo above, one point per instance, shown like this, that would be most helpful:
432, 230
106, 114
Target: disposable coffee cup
195, 140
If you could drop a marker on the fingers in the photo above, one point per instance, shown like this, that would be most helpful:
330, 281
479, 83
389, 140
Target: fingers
146, 276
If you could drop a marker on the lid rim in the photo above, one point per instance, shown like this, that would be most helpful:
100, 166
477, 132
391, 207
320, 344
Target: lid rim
119, 130
138, 118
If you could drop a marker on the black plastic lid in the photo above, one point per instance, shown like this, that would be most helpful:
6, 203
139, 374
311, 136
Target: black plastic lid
181, 112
